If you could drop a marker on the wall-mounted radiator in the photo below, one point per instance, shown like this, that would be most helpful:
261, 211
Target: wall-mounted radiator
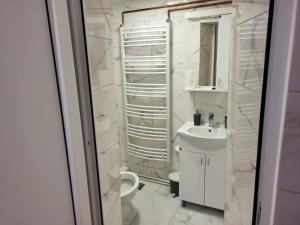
146, 90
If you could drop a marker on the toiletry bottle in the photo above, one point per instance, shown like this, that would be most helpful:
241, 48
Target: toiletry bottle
197, 118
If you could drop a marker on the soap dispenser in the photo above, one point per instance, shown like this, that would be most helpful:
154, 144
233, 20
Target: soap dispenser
197, 118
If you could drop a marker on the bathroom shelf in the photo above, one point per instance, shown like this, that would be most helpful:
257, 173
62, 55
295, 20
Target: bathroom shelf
146, 79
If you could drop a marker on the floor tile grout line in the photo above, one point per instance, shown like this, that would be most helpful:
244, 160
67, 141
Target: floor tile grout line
189, 211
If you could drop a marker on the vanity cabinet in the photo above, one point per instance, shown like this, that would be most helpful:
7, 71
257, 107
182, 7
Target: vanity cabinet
192, 170
214, 181
202, 179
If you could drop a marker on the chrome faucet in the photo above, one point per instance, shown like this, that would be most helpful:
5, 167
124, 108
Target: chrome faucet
211, 120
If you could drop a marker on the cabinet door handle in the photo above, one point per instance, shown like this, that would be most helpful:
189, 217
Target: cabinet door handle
208, 161
201, 161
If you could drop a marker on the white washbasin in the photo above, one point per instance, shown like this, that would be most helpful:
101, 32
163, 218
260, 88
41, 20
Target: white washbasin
203, 136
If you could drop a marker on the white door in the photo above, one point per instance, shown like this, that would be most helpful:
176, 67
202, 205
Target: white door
35, 184
192, 168
215, 181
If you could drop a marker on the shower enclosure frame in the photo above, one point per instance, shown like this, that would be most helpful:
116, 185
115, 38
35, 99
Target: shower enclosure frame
70, 56
85, 183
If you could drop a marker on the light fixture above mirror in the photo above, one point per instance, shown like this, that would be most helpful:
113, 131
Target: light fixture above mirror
212, 73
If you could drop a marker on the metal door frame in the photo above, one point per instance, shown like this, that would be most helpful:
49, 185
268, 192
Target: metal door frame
68, 42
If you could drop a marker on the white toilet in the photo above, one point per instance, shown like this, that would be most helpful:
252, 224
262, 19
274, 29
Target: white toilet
129, 186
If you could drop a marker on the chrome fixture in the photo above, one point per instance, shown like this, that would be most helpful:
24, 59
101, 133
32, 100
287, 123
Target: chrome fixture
211, 119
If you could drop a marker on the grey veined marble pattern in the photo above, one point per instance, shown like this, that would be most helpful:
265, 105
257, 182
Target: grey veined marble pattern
103, 18
155, 206
104, 96
247, 66
185, 56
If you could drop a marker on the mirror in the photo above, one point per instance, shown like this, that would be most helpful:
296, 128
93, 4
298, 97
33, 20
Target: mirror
208, 52
214, 51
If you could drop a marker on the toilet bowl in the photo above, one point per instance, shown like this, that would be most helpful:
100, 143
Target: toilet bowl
129, 186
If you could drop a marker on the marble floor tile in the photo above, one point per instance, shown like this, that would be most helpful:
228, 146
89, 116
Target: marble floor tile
150, 187
141, 199
162, 205
164, 190
145, 218
194, 214
208, 216
155, 206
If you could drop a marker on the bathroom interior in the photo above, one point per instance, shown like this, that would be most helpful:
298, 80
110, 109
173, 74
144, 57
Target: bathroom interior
176, 90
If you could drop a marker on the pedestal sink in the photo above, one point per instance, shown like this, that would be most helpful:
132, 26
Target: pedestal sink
203, 136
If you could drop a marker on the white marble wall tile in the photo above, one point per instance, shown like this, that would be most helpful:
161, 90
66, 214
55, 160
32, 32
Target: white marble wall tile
154, 171
111, 205
108, 162
208, 102
184, 57
183, 105
96, 4
247, 64
151, 17
179, 13
119, 6
247, 9
179, 78
154, 3
182, 110
148, 163
106, 138
105, 105
183, 30
116, 40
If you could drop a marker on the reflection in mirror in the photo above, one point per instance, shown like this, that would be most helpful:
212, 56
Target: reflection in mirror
208, 53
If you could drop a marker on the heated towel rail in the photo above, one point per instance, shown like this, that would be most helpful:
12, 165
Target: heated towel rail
146, 89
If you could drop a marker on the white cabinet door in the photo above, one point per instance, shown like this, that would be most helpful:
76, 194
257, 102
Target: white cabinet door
192, 168
215, 181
